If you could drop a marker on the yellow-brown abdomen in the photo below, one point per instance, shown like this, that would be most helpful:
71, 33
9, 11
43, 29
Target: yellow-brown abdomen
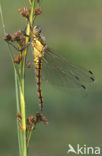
38, 66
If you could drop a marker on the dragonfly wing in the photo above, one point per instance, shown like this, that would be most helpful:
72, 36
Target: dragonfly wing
59, 71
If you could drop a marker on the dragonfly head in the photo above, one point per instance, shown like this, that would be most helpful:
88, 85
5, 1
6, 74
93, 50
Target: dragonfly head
37, 30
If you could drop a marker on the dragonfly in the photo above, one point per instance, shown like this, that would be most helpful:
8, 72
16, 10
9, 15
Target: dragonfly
65, 73
45, 57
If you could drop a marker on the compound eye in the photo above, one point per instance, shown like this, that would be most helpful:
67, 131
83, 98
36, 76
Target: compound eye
39, 29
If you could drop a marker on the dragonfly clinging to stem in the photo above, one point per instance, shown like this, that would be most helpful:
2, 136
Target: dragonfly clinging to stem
44, 56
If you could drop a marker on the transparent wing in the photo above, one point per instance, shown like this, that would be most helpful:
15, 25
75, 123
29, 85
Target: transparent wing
59, 71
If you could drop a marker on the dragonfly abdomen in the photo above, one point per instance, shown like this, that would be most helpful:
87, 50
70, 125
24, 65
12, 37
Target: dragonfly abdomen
38, 67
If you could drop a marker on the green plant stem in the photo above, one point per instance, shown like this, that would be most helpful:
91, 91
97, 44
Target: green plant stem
28, 140
23, 125
29, 136
18, 110
19, 83
22, 101
3, 25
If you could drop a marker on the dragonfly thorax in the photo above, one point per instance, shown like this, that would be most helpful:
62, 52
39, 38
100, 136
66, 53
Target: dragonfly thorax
38, 42
36, 30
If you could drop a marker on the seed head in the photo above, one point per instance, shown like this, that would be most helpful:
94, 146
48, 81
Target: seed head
37, 11
17, 59
41, 118
30, 120
24, 12
17, 36
19, 117
8, 37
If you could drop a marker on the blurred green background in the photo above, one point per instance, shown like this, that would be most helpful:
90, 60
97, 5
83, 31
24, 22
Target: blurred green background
74, 29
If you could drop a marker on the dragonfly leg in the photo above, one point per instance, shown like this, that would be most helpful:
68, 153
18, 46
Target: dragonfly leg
18, 48
24, 32
13, 46
31, 28
26, 45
